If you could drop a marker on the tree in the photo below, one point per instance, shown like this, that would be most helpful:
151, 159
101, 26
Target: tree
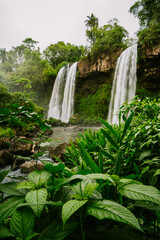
3, 55
108, 38
29, 43
92, 25
60, 52
146, 11
91, 22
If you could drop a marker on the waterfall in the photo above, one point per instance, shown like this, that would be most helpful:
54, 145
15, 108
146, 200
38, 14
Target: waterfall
55, 105
68, 99
61, 105
124, 83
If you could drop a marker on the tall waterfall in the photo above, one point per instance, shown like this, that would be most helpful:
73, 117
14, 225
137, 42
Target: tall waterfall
61, 105
124, 83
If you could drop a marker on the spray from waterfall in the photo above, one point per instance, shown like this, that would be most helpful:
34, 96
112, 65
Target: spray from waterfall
61, 105
124, 83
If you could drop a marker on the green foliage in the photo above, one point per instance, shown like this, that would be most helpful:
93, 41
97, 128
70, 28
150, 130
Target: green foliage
5, 233
6, 132
70, 207
8, 208
148, 36
111, 175
53, 121
22, 224
107, 39
92, 106
4, 95
56, 231
36, 198
3, 174
61, 52
112, 210
148, 13
20, 113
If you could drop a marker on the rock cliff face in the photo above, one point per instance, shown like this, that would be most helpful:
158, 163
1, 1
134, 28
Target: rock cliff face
102, 65
148, 70
94, 82
91, 75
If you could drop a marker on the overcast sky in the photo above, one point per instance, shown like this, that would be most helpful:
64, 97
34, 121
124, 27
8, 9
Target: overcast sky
50, 21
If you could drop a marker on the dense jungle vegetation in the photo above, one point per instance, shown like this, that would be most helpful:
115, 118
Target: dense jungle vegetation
107, 185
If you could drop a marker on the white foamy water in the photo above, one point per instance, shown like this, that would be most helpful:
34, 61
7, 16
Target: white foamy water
61, 105
124, 83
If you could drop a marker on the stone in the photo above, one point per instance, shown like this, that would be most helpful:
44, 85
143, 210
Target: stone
30, 166
6, 158
16, 164
4, 143
21, 147
48, 132
58, 151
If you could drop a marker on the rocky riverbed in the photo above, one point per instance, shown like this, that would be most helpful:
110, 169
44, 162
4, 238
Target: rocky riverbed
24, 152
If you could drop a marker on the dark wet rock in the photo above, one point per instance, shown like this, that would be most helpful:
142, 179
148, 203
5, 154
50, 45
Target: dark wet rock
48, 132
58, 151
6, 158
4, 143
29, 134
30, 166
21, 147
16, 164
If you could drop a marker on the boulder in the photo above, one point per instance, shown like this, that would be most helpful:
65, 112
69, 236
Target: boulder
16, 164
4, 143
22, 146
48, 132
6, 158
30, 166
58, 151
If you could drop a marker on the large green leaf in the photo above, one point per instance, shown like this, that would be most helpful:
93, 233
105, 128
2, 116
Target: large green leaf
9, 189
4, 233
39, 177
127, 124
3, 174
107, 125
71, 207
140, 192
112, 210
7, 208
100, 176
25, 184
22, 223
54, 168
56, 231
88, 160
89, 190
147, 205
110, 139
37, 197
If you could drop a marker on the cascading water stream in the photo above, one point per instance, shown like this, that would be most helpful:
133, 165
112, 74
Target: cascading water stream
124, 83
61, 105
68, 99
55, 105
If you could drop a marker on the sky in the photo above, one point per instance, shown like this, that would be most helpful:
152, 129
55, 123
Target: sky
50, 21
